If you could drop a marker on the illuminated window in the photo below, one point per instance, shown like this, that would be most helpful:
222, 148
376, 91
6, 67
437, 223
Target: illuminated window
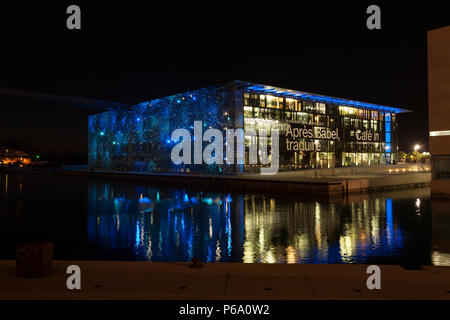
303, 117
366, 124
360, 113
320, 108
253, 100
347, 122
440, 133
375, 115
387, 117
292, 104
348, 111
248, 112
280, 102
246, 99
272, 102
262, 101
288, 115
374, 125
309, 106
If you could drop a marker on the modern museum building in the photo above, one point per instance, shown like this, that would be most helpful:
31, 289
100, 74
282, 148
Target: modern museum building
315, 131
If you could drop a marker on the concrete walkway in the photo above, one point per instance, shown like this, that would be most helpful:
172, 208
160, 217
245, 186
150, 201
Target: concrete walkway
153, 280
335, 182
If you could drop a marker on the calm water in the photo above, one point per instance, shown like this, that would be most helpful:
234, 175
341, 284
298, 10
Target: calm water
119, 220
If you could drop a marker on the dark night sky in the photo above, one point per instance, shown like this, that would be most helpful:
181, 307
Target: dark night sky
128, 52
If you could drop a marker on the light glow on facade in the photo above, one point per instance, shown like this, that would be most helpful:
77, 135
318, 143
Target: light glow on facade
440, 133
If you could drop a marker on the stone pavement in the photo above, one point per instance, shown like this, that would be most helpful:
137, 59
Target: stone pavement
334, 182
165, 280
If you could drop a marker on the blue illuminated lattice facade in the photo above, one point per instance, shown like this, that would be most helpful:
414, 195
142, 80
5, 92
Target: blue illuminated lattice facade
139, 139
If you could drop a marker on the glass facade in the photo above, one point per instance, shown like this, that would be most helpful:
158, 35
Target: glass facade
332, 135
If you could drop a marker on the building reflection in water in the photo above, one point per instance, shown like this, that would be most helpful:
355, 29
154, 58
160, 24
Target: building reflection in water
161, 225
312, 232
176, 225
440, 255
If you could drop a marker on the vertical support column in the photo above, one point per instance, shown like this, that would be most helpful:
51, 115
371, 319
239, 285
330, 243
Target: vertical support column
238, 107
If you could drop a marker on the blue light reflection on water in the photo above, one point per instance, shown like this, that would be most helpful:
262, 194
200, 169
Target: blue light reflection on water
176, 225
99, 219
161, 226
